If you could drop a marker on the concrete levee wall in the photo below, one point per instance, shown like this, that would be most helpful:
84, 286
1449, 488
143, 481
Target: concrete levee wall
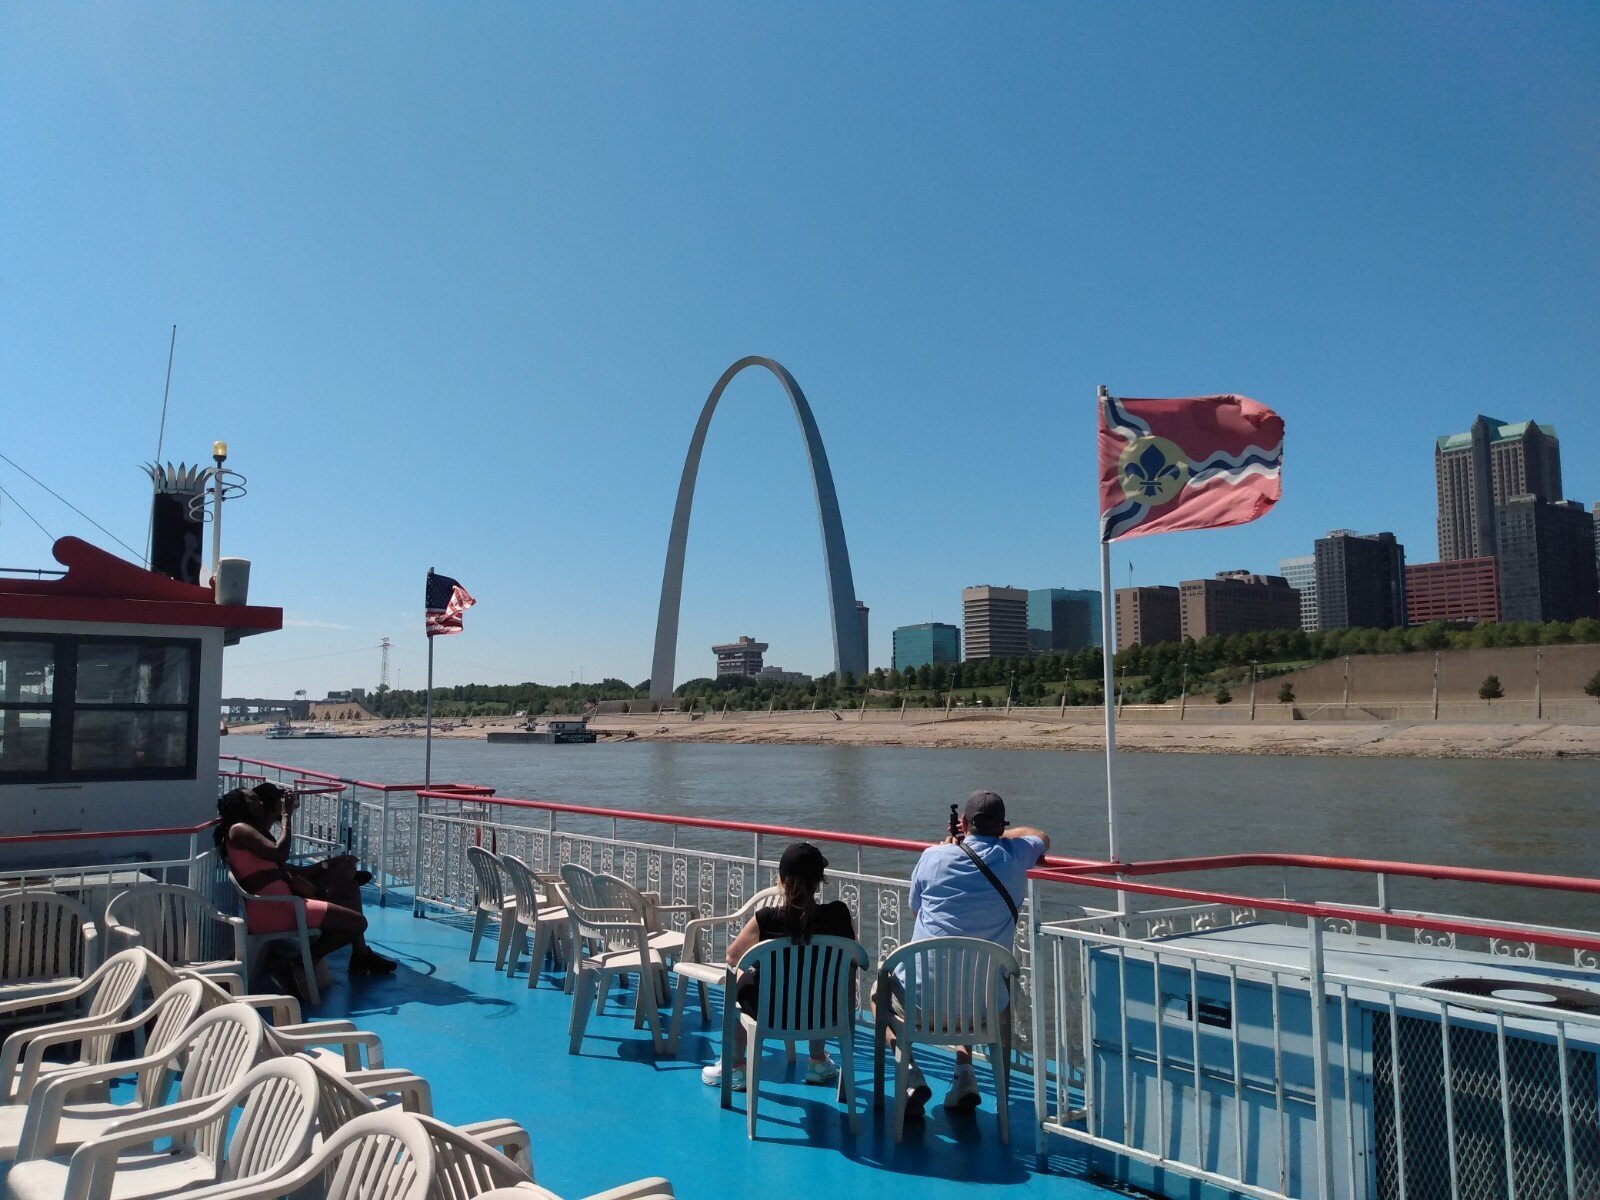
1407, 679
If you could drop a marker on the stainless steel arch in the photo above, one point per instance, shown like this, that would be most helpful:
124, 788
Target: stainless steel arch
849, 654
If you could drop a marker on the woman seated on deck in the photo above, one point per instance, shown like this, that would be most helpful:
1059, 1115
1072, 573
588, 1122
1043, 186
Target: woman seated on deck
800, 917
331, 889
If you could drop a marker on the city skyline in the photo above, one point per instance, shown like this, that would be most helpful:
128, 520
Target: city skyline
453, 288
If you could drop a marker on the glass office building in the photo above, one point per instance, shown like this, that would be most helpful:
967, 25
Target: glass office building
926, 645
1062, 620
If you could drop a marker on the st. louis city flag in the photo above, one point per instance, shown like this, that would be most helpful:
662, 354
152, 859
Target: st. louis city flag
446, 601
1197, 463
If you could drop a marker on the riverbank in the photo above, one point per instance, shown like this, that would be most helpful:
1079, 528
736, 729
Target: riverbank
997, 731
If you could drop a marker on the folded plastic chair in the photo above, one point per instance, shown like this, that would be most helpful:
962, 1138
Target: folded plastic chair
280, 1009
110, 988
377, 1156
213, 1054
254, 1131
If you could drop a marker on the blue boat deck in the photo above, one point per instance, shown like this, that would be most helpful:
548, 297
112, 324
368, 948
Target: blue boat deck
492, 1047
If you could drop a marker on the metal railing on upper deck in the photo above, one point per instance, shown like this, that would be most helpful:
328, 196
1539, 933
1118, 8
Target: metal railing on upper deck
1269, 1045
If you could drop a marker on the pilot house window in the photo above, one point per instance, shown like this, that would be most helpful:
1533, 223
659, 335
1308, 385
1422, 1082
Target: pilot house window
84, 708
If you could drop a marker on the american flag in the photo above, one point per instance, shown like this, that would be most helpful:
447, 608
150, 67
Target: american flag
446, 601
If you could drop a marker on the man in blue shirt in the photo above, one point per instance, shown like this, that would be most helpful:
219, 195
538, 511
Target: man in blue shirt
952, 897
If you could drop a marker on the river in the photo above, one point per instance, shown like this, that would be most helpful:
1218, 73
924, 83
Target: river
1517, 815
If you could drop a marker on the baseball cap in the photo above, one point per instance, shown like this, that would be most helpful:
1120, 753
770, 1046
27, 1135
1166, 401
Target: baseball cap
986, 813
802, 861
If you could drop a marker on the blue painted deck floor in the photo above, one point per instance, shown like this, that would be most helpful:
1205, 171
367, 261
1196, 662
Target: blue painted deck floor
491, 1047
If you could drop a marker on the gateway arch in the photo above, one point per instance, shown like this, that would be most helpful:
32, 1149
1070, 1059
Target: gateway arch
849, 652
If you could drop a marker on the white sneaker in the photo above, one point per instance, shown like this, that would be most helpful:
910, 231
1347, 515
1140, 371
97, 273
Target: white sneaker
712, 1077
963, 1094
822, 1071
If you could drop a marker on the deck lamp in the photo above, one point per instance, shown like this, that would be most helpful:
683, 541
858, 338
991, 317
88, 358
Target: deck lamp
219, 454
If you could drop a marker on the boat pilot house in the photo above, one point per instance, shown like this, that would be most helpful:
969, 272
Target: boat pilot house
110, 685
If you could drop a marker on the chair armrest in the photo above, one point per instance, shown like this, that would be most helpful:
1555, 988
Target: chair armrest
42, 999
510, 1138
415, 1092
47, 1100
90, 1171
241, 935
349, 1041
59, 1033
123, 936
40, 1040
655, 1188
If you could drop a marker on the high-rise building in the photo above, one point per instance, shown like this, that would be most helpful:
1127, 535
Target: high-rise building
1459, 589
861, 615
1061, 620
1147, 616
1547, 561
928, 644
1236, 602
1361, 581
1302, 576
1484, 467
995, 620
740, 658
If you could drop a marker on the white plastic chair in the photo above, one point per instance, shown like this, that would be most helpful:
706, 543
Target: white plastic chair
701, 962
542, 915
111, 988
490, 904
465, 1167
953, 995
168, 1018
617, 944
805, 992
254, 1131
619, 893
300, 935
216, 991
47, 942
180, 926
377, 1156
214, 1053
641, 1189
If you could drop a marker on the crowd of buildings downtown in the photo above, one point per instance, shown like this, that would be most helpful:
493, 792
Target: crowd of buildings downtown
1510, 549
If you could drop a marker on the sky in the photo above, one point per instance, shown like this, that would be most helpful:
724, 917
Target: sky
454, 281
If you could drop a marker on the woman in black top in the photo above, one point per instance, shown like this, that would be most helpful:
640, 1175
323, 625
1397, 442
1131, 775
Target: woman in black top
797, 916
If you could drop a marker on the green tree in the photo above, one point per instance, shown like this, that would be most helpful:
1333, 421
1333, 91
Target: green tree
1592, 688
1224, 696
1286, 694
1490, 688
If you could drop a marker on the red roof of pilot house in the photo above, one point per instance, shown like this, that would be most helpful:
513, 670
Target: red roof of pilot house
102, 587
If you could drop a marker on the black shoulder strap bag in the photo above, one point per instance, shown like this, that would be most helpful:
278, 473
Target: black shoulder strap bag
1011, 904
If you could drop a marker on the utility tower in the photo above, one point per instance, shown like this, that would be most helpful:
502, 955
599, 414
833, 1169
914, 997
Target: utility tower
383, 673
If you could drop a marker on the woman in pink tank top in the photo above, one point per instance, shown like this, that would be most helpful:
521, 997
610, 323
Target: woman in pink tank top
258, 859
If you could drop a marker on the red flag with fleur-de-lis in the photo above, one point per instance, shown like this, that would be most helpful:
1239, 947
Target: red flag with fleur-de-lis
1197, 463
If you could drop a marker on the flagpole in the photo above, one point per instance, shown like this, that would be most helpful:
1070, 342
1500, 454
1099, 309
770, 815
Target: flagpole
1108, 636
427, 756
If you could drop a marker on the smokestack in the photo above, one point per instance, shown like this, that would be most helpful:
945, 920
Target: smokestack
177, 520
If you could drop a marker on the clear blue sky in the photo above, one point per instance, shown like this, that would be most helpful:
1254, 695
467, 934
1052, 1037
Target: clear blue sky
454, 280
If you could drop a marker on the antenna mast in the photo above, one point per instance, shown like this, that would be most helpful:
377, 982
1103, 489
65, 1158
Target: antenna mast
383, 674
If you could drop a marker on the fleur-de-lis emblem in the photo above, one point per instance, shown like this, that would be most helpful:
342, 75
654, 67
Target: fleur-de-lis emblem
1154, 470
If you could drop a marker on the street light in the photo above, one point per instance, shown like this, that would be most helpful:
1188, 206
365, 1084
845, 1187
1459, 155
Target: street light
1252, 689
